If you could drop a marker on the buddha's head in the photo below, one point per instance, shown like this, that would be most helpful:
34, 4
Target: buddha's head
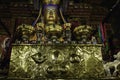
50, 14
51, 11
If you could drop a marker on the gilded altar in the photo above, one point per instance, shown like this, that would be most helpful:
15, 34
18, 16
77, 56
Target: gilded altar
46, 49
56, 61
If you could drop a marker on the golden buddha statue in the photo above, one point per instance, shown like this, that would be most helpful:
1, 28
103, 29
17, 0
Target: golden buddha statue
51, 24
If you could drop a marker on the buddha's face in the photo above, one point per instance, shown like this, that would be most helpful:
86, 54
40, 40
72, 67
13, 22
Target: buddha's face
51, 15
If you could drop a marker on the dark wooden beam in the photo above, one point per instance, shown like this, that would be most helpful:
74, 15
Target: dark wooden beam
5, 28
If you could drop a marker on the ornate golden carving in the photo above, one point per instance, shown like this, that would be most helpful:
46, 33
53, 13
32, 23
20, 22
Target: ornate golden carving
83, 32
73, 61
26, 33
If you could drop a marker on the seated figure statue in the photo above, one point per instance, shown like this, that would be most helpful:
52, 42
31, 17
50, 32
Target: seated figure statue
50, 25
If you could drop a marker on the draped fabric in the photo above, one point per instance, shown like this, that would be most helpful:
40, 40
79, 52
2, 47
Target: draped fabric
4, 47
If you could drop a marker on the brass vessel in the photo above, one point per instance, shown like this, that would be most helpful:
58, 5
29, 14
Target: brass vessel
24, 32
83, 32
54, 31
